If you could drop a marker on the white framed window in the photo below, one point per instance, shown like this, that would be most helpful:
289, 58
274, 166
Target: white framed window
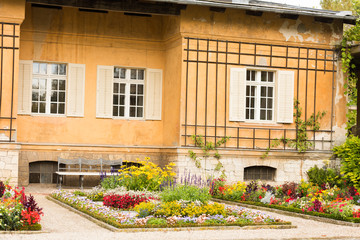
128, 92
48, 90
260, 91
261, 95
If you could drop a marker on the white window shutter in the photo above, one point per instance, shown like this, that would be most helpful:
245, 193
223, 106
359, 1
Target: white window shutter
24, 87
153, 94
285, 97
76, 90
104, 91
237, 94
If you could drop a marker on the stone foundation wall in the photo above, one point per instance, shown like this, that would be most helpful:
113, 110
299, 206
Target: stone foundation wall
289, 166
9, 164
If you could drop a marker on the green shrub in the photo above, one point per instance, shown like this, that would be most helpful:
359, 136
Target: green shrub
323, 176
111, 182
185, 192
349, 152
10, 217
156, 221
79, 193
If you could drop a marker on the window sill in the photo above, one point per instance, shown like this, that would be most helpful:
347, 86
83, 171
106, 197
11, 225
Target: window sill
47, 115
258, 123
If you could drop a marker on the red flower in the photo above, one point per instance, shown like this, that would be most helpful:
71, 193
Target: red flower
260, 197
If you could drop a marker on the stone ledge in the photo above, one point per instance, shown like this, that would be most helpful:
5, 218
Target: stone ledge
114, 229
292, 214
24, 232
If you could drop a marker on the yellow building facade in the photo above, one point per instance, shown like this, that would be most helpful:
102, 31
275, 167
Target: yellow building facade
129, 81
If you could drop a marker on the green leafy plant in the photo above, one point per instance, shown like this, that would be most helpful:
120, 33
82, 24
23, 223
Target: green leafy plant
349, 152
324, 176
207, 148
157, 221
301, 143
10, 216
185, 192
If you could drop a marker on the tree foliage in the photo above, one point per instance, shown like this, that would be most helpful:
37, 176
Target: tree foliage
337, 5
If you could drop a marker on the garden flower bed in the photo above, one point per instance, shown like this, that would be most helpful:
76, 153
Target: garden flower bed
18, 211
304, 198
153, 213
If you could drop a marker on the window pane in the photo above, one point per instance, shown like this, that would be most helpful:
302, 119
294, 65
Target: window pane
42, 107
42, 84
116, 87
263, 103
139, 112
62, 70
247, 114
115, 111
53, 108
116, 99
262, 115
42, 96
116, 72
140, 100
247, 102
36, 67
252, 91
252, 102
35, 96
35, 107
122, 73
62, 97
54, 84
132, 111
252, 75
43, 68
269, 103
133, 74
61, 108
122, 100
270, 77
122, 88
132, 100
122, 112
263, 76
133, 89
141, 74
263, 91
54, 69
140, 89
35, 83
252, 114
269, 115
62, 85
54, 96
247, 90
270, 91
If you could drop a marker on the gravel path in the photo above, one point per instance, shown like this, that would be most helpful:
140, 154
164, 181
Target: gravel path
60, 223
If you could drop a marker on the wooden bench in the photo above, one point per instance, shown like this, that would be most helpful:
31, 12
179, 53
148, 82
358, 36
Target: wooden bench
84, 167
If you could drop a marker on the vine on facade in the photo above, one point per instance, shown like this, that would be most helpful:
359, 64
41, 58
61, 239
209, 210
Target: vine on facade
302, 142
207, 148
